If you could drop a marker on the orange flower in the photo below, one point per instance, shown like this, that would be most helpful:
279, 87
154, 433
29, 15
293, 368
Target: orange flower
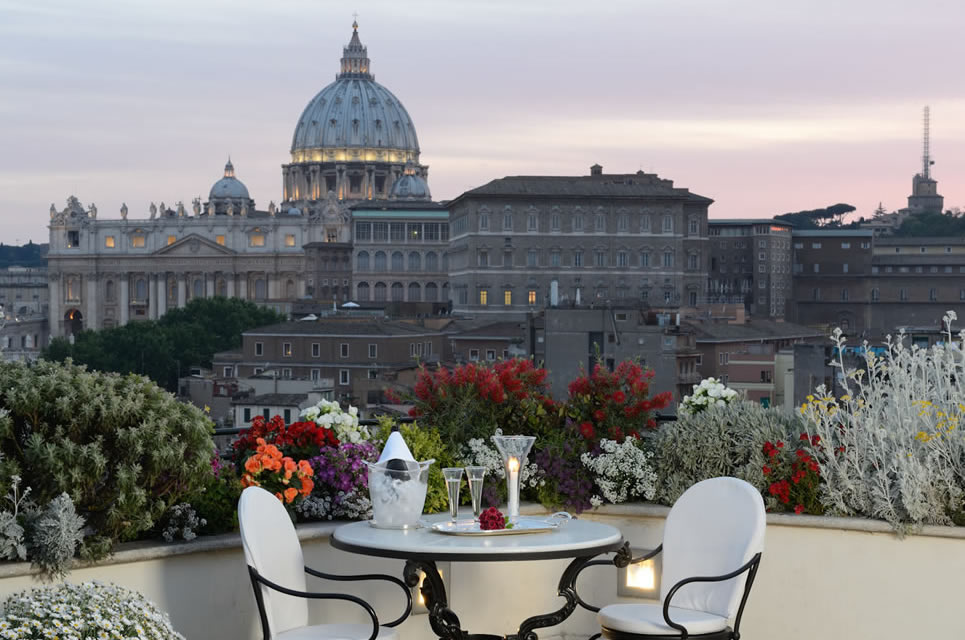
305, 469
252, 465
307, 486
280, 497
248, 481
290, 494
273, 451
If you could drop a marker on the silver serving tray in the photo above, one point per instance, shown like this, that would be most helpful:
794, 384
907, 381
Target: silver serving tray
523, 525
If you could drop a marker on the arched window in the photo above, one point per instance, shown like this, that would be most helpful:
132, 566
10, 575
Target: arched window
221, 288
397, 291
363, 261
415, 261
140, 289
261, 289
432, 292
398, 261
415, 292
380, 261
432, 261
363, 291
109, 290
198, 288
290, 289
380, 292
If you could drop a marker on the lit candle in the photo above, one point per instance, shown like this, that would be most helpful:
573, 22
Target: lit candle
512, 468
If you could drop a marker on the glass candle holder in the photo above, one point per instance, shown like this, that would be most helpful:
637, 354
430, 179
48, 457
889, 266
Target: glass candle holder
514, 450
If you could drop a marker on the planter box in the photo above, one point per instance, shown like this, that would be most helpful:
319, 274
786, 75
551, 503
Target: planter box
820, 578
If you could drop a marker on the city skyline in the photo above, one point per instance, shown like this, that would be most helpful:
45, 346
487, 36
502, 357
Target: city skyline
765, 109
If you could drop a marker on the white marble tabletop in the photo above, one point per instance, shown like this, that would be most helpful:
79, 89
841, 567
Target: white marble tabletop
572, 539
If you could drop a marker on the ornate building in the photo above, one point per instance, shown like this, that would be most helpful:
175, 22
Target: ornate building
354, 144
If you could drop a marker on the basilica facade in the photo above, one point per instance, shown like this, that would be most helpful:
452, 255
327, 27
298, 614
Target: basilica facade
354, 146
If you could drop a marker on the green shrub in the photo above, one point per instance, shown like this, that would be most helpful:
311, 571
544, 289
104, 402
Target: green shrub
425, 444
123, 449
217, 502
721, 441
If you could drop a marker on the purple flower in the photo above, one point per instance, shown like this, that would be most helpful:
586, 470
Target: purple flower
342, 469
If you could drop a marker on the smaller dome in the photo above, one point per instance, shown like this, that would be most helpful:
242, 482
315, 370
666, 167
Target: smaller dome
410, 187
229, 186
294, 211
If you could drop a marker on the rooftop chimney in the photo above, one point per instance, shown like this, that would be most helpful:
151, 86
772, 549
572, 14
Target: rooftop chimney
596, 170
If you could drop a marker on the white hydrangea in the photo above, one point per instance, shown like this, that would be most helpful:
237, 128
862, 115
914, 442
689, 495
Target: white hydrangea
622, 471
345, 424
709, 393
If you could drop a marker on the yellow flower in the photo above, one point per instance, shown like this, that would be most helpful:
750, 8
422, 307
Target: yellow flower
207, 409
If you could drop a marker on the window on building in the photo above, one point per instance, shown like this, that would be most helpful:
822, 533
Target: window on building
692, 299
798, 245
903, 295
599, 222
227, 372
507, 221
246, 414
474, 354
600, 258
816, 293
482, 257
578, 222
844, 295
172, 240
373, 350
219, 239
258, 371
555, 222
693, 261
644, 258
644, 224
259, 348
844, 268
961, 294
668, 259
623, 259
845, 245
507, 258
256, 240
484, 222
483, 297
532, 222
933, 295
289, 239
137, 241
316, 350
343, 350
286, 373
816, 267
532, 258
343, 376
554, 258
507, 297
667, 224
286, 349
815, 245
531, 296
577, 258
693, 227
668, 295
109, 242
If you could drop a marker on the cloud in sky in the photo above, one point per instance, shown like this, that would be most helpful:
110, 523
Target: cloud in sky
765, 107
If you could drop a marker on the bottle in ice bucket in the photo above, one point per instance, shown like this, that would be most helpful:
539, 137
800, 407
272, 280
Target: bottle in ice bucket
397, 485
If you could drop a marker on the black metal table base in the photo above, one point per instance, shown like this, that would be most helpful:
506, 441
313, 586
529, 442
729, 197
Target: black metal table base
445, 623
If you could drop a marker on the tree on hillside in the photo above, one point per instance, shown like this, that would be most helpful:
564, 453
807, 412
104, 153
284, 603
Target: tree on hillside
932, 224
831, 216
164, 349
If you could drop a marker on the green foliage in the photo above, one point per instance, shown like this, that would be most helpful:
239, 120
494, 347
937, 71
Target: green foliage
161, 349
721, 441
120, 447
932, 224
831, 216
425, 444
217, 502
28, 255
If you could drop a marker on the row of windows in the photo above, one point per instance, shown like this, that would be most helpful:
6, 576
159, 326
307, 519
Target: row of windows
577, 223
600, 292
415, 261
381, 292
600, 259
139, 240
845, 295
401, 231
844, 245
195, 288
288, 351
919, 269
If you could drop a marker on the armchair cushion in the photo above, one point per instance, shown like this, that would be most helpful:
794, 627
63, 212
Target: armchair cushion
337, 632
647, 619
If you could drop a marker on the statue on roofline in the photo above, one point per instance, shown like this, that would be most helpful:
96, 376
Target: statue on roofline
196, 207
153, 210
123, 211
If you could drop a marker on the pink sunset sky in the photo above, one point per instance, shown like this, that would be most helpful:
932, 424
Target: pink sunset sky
764, 106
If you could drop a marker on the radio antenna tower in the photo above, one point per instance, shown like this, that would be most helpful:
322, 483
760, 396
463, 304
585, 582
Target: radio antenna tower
926, 156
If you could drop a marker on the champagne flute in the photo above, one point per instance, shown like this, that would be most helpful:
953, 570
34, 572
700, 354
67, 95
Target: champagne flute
453, 476
476, 476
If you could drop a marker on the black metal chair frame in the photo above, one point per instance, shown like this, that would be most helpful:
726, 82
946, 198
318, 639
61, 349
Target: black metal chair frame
257, 579
622, 559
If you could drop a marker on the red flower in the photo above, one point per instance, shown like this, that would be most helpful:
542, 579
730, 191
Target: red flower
816, 440
586, 430
619, 397
767, 470
651, 424
804, 437
799, 509
599, 415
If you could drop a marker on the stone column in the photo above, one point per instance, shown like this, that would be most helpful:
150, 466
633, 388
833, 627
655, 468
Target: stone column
229, 285
90, 294
182, 290
243, 286
162, 290
55, 310
152, 296
125, 298
209, 285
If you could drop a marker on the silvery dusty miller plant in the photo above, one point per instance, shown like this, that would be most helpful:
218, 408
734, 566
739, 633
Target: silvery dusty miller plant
54, 535
898, 422
721, 441
622, 471
87, 611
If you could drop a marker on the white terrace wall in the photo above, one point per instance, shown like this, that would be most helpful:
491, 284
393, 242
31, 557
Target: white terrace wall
820, 578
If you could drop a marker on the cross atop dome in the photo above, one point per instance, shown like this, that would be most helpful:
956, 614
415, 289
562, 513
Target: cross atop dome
355, 57
229, 169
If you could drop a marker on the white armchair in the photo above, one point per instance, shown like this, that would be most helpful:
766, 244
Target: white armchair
712, 545
277, 571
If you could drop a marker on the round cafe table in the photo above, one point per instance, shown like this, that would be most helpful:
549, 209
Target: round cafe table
421, 548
